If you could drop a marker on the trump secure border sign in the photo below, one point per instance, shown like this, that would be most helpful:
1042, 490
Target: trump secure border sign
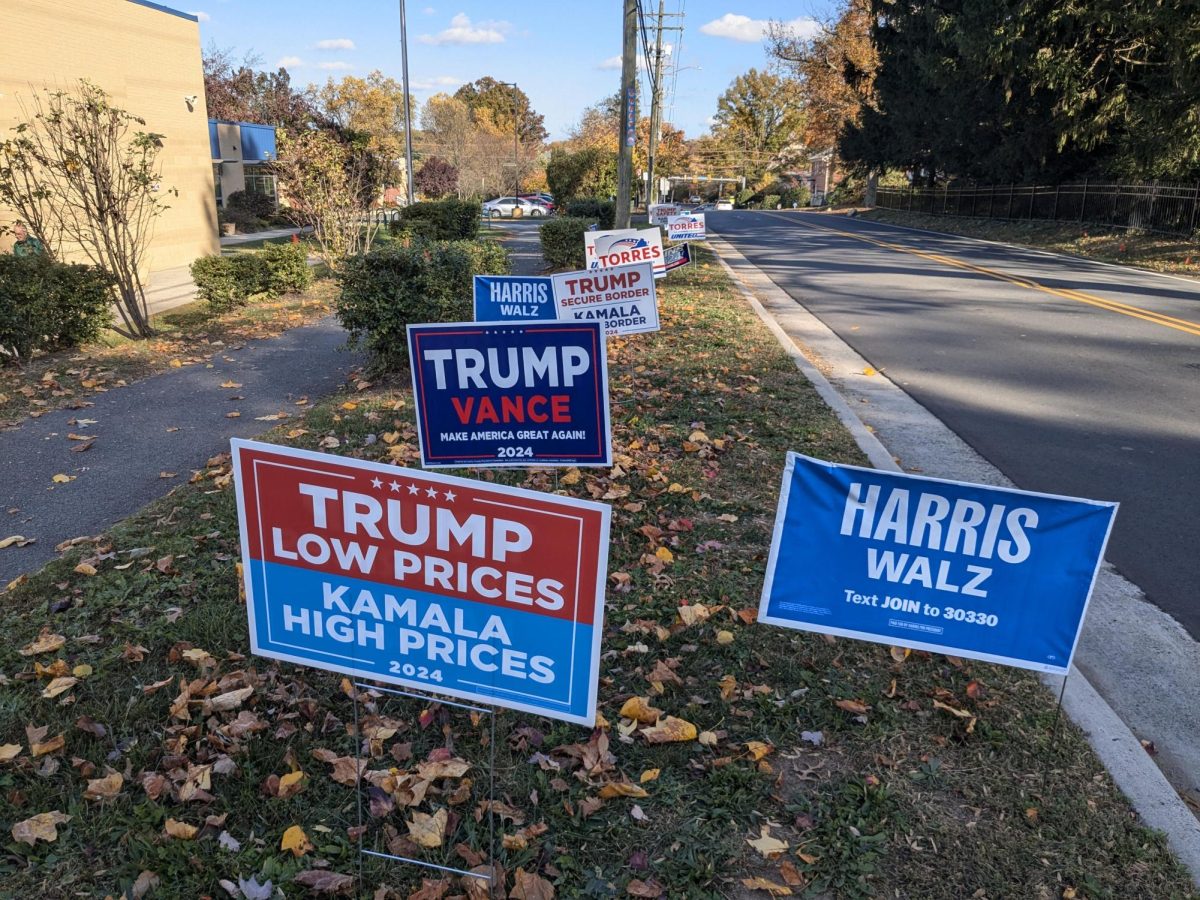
514, 394
988, 573
463, 588
623, 300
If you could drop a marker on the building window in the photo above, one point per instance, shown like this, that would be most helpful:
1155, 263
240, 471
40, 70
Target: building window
217, 184
260, 183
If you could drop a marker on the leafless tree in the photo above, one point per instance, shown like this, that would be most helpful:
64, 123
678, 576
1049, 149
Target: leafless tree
84, 176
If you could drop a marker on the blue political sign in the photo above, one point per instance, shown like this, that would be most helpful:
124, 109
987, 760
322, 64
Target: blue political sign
527, 394
988, 573
515, 298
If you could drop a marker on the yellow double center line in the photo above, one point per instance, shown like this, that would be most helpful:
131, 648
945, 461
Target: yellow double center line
1124, 309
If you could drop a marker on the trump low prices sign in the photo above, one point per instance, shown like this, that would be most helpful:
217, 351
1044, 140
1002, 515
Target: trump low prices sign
463, 588
489, 394
519, 298
624, 247
989, 573
660, 212
622, 300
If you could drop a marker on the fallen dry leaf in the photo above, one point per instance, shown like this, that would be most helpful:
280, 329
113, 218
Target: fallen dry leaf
290, 784
9, 752
59, 686
51, 746
181, 830
758, 883
230, 699
296, 840
640, 709
11, 540
322, 881
44, 643
767, 845
62, 479
428, 831
42, 827
670, 729
852, 706
104, 788
530, 886
622, 789
649, 775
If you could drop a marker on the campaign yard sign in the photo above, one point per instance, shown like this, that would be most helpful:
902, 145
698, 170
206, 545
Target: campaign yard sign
528, 394
689, 227
518, 298
624, 247
989, 573
660, 212
622, 300
464, 588
676, 256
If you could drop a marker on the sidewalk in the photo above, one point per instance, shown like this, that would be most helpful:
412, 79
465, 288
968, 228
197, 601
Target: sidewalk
168, 423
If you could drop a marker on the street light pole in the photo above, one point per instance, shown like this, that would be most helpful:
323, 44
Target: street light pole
408, 160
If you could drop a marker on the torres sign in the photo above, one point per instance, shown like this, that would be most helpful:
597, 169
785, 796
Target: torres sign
625, 247
464, 588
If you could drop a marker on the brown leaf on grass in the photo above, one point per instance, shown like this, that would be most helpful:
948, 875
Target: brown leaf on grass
590, 805
649, 775
766, 844
663, 674
322, 881
229, 700
514, 842
640, 709
857, 707
757, 749
443, 768
59, 686
791, 875
46, 642
51, 746
42, 827
530, 886
669, 730
650, 888
431, 890
296, 840
181, 830
428, 831
146, 882
758, 883
86, 569
899, 654
615, 789
104, 788
133, 653
9, 752
290, 784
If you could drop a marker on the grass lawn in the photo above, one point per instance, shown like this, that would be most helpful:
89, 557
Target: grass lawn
184, 335
129, 703
1157, 252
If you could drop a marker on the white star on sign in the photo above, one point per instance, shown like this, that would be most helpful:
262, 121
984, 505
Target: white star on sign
376, 483
450, 495
395, 486
413, 489
431, 493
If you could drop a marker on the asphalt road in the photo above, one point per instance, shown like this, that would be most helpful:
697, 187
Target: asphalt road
171, 422
1070, 377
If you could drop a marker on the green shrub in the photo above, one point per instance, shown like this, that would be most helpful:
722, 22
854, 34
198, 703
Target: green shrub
742, 200
260, 206
797, 195
562, 242
226, 282
47, 305
442, 220
287, 268
389, 288
603, 211
770, 201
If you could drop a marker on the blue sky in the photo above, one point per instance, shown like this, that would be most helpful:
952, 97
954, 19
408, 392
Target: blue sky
563, 54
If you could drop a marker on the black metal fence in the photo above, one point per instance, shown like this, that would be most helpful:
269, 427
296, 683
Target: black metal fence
1166, 208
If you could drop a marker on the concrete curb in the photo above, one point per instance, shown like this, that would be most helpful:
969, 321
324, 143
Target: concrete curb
1122, 754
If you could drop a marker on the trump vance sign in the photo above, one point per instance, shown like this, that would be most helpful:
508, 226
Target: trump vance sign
459, 587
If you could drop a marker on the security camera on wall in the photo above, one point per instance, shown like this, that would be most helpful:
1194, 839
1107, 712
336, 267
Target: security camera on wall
191, 102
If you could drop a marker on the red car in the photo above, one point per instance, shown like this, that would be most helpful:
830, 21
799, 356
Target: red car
540, 199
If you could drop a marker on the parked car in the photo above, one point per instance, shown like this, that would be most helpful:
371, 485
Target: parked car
507, 207
724, 204
540, 201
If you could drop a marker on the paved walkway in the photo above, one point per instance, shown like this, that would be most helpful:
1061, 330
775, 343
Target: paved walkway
232, 240
171, 422
524, 247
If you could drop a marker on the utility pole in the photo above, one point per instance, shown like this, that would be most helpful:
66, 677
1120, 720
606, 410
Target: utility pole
408, 165
516, 139
655, 111
628, 129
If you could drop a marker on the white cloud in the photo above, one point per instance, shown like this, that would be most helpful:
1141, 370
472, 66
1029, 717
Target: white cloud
289, 62
613, 62
748, 30
200, 16
429, 84
335, 65
462, 31
335, 44
429, 10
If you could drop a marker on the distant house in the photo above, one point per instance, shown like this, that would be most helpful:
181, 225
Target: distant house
147, 58
240, 153
825, 176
